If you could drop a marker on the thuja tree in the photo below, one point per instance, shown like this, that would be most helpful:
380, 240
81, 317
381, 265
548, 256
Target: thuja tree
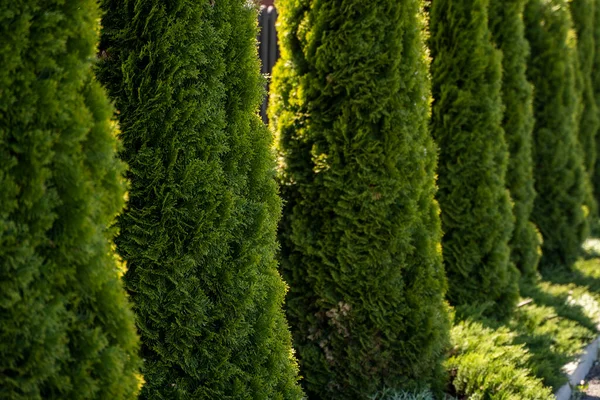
582, 12
361, 231
199, 229
596, 88
66, 330
559, 209
508, 32
476, 214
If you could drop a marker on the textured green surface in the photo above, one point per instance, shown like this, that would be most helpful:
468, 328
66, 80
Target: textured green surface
582, 12
361, 231
66, 330
199, 230
486, 364
508, 32
595, 77
560, 178
476, 214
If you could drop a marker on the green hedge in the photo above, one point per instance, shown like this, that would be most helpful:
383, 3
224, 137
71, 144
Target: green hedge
582, 12
199, 230
361, 232
476, 214
560, 178
66, 329
595, 76
508, 32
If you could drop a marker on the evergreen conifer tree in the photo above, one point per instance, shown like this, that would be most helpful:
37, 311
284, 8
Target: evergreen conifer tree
508, 32
199, 229
66, 329
361, 231
582, 12
476, 214
595, 77
559, 175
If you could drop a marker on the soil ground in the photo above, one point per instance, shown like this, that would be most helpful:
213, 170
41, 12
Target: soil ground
593, 383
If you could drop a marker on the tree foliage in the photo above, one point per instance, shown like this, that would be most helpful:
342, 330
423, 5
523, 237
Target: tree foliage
476, 214
560, 178
361, 232
595, 78
199, 230
582, 12
508, 32
66, 330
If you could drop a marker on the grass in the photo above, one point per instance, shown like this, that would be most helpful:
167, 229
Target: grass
402, 395
522, 358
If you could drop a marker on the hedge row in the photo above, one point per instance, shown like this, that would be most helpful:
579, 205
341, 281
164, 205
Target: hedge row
381, 145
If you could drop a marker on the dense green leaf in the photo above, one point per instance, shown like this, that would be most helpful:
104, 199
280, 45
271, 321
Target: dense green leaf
66, 329
361, 231
508, 32
560, 177
476, 214
199, 230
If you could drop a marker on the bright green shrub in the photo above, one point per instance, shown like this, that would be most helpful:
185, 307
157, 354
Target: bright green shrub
66, 330
361, 233
485, 364
508, 32
476, 214
199, 230
402, 395
582, 12
595, 77
559, 175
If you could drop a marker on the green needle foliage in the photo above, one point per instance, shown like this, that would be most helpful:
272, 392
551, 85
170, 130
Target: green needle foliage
476, 215
559, 209
582, 12
508, 32
66, 329
361, 230
199, 230
596, 89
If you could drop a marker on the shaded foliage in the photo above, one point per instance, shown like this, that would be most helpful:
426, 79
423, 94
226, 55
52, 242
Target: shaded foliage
361, 232
560, 178
199, 230
508, 32
476, 214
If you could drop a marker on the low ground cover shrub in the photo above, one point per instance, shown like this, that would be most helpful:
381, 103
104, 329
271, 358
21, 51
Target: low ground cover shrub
486, 364
556, 318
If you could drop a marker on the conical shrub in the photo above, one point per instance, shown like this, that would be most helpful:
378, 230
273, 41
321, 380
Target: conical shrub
508, 32
595, 77
66, 329
199, 229
476, 214
582, 12
361, 231
559, 209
